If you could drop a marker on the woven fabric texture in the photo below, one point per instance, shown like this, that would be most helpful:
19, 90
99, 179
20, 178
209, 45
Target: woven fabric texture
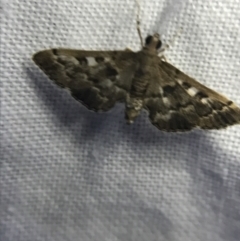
68, 174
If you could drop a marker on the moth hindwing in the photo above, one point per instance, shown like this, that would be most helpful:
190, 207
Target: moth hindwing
142, 80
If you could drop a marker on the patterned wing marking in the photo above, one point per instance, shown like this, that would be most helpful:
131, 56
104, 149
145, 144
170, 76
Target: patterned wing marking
97, 79
180, 103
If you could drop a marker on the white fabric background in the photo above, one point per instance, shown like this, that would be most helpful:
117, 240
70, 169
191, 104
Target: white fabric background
70, 174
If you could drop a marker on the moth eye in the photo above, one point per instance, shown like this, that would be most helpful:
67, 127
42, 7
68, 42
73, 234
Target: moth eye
159, 44
148, 39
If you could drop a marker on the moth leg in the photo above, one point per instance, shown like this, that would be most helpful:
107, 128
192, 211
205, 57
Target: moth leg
138, 22
163, 57
163, 49
171, 42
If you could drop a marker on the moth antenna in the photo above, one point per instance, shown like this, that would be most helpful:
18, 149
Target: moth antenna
138, 22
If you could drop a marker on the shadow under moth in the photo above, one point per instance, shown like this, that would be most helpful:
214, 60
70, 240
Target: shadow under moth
142, 80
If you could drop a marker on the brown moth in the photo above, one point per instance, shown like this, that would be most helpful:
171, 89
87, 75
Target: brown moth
142, 80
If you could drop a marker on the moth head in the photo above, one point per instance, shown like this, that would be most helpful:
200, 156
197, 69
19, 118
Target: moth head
153, 42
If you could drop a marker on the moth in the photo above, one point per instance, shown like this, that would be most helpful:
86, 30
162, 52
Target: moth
141, 80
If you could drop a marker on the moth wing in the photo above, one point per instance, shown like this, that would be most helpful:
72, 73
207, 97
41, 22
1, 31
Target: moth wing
98, 79
177, 102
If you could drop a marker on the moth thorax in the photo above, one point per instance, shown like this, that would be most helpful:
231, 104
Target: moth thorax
153, 42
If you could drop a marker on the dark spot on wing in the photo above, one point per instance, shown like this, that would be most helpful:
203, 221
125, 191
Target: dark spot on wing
179, 122
99, 59
110, 71
168, 89
114, 55
54, 51
216, 105
201, 109
177, 72
82, 61
95, 80
229, 117
200, 95
186, 85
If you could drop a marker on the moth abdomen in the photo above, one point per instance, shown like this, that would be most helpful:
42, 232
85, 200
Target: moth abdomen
134, 106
